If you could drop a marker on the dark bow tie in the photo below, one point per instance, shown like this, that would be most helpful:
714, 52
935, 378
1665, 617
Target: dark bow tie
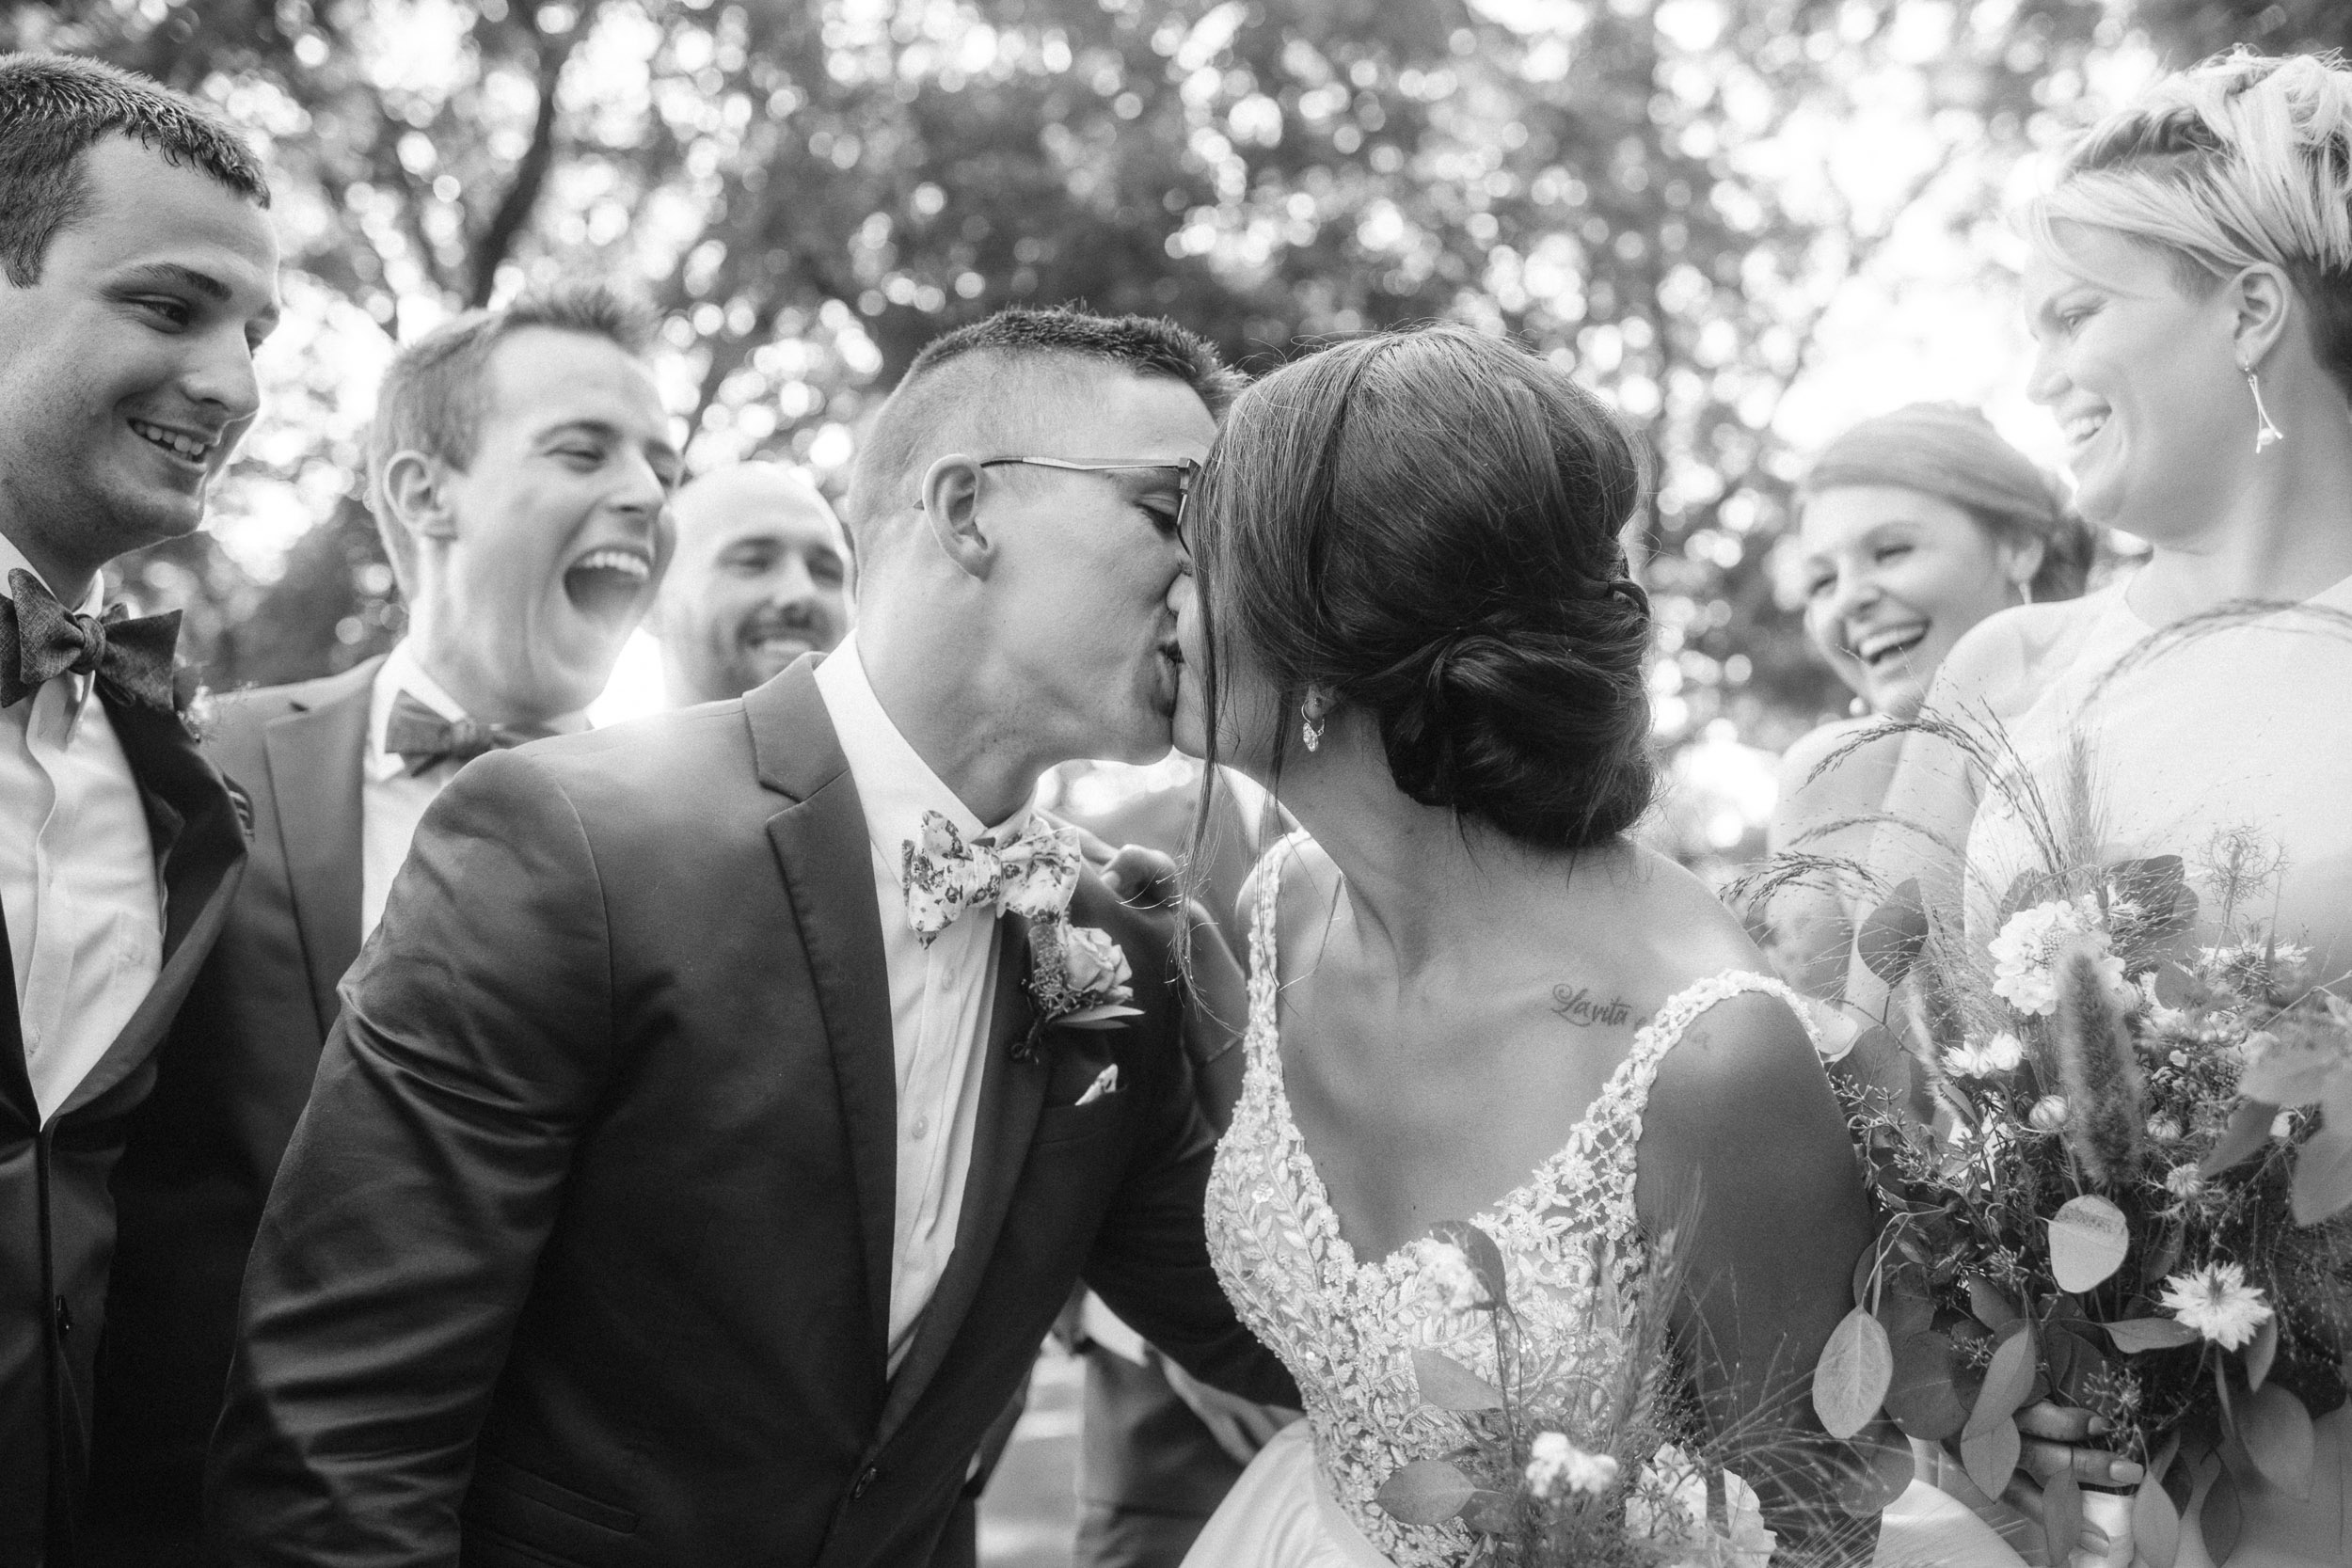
423, 738
41, 639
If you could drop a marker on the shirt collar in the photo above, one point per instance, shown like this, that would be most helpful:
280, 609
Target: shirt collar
402, 671
12, 560
894, 784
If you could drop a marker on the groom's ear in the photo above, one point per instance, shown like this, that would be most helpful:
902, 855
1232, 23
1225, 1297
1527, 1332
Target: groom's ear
949, 500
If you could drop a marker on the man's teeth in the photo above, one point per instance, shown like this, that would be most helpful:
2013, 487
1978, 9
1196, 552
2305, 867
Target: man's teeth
191, 447
628, 563
2084, 426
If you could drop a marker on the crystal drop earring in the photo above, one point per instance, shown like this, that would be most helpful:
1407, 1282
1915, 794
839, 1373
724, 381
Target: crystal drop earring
1310, 729
2265, 434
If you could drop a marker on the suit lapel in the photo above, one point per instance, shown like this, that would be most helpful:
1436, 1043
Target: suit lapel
1011, 1094
821, 847
316, 759
16, 1079
202, 864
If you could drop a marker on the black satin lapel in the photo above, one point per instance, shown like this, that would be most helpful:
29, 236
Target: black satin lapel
1011, 1094
316, 760
201, 877
16, 1079
828, 872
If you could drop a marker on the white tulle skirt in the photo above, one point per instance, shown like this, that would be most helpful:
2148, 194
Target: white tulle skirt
1278, 1515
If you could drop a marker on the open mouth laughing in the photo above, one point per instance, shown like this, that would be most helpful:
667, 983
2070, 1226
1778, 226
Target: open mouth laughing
607, 583
2080, 428
1883, 648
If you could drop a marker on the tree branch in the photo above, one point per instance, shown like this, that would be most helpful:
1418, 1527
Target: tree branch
513, 214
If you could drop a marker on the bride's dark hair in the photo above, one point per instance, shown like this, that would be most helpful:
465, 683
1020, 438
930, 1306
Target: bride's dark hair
1426, 522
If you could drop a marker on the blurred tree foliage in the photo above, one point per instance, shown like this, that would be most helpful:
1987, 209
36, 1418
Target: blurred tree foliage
1661, 193
2188, 30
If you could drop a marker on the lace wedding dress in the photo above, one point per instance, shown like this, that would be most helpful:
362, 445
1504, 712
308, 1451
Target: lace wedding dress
1347, 1327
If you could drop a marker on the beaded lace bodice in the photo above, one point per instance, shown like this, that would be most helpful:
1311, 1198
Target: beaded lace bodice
1347, 1329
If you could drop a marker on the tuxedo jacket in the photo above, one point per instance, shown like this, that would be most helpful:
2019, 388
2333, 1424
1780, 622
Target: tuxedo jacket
57, 1218
229, 1084
581, 1254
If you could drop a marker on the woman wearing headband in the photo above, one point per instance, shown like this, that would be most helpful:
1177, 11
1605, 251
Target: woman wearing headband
2191, 293
1913, 528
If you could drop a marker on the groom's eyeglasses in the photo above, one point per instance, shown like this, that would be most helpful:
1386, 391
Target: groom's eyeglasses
1181, 475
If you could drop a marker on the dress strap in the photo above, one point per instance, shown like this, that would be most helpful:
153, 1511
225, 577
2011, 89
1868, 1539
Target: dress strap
1264, 965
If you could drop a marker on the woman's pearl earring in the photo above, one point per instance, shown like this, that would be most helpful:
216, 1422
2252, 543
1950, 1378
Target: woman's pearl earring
2265, 434
1310, 728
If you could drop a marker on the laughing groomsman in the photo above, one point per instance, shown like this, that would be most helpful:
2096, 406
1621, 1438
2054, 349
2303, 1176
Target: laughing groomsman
519, 469
137, 272
761, 577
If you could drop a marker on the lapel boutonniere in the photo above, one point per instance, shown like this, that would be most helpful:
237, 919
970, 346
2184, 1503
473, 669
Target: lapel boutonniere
1078, 977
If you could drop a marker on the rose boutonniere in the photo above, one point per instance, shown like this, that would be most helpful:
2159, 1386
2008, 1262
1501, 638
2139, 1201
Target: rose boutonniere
1078, 977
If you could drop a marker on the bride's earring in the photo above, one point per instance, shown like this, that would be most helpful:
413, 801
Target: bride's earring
1310, 728
2265, 434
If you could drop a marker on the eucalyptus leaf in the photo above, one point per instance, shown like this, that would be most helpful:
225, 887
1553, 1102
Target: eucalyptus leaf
1851, 1379
2008, 1384
2136, 1334
1448, 1385
1490, 1513
2262, 1352
1894, 934
1426, 1491
2156, 1525
2062, 1508
1989, 1454
2246, 1136
1923, 1398
2089, 1240
2290, 1069
1991, 1307
2222, 1518
2323, 1176
2277, 1432
1486, 1259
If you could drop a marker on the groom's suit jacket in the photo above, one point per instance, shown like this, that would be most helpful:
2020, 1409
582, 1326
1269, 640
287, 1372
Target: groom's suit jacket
57, 1218
582, 1253
229, 1086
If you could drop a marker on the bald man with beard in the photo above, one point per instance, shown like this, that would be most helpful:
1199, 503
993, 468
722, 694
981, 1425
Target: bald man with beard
761, 577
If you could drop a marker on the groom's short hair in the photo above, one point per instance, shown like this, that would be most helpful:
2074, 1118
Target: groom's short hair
56, 107
991, 371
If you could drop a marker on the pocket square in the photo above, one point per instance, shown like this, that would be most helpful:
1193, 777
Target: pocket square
1106, 1083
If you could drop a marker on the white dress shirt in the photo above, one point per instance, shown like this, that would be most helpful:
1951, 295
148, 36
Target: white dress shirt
79, 884
391, 800
939, 995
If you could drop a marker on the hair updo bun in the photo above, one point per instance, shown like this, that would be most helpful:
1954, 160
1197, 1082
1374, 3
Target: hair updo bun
1426, 523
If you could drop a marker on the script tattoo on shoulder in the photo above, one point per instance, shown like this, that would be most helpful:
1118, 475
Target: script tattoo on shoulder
1579, 1006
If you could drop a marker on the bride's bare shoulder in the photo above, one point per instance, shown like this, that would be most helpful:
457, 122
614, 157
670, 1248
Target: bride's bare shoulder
2005, 659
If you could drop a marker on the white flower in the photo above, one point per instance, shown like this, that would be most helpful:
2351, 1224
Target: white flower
1095, 963
1668, 1507
2000, 1054
2048, 1114
1555, 1463
2283, 1125
2216, 1302
2029, 943
1446, 1282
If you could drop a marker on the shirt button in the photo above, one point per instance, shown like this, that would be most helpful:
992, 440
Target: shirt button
864, 1482
922, 1127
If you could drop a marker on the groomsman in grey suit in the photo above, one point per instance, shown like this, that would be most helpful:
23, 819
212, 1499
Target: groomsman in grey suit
137, 272
519, 467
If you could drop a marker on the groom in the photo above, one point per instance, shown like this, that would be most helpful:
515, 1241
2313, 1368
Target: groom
675, 1189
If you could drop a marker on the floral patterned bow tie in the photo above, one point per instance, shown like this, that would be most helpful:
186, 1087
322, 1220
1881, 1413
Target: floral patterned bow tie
41, 640
1034, 875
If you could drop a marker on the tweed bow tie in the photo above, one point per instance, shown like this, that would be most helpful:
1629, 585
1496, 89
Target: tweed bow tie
1034, 875
423, 738
41, 639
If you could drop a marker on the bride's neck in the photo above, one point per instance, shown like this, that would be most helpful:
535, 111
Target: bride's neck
1420, 880
2285, 535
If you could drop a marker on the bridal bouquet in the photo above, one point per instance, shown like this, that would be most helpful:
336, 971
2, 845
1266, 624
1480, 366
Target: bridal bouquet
2131, 1198
1580, 1458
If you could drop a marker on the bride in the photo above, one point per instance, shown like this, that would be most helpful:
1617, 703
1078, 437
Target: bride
1471, 994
